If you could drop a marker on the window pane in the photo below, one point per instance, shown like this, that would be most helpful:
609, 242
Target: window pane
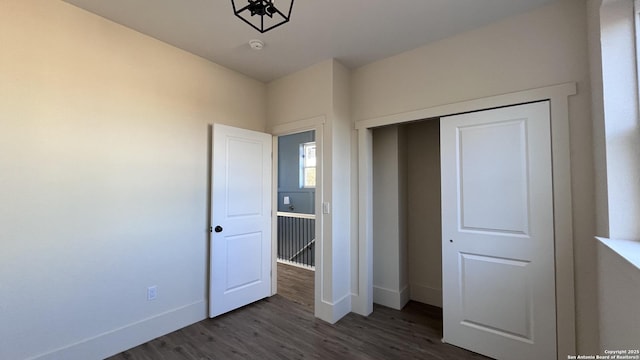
310, 177
310, 155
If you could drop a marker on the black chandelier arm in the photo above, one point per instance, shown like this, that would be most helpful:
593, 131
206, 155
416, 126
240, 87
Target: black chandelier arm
266, 8
249, 22
237, 12
283, 15
274, 26
290, 9
233, 4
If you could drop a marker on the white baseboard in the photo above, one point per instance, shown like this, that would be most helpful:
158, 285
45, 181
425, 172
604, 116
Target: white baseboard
391, 298
341, 308
332, 312
404, 296
426, 294
360, 306
115, 341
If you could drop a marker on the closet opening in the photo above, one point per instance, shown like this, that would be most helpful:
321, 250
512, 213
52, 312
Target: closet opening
407, 228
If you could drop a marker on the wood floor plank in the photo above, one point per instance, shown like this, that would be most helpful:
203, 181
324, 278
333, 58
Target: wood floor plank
283, 327
296, 284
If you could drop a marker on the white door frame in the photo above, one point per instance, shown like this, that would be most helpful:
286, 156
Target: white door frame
559, 103
316, 124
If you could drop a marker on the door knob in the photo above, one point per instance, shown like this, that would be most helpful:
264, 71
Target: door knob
218, 229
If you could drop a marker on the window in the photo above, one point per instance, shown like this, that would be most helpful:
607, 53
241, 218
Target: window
636, 9
308, 165
619, 127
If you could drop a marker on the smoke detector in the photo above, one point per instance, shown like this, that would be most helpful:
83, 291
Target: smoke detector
256, 44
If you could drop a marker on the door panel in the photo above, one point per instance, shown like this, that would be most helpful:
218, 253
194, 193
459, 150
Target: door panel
498, 245
513, 318
244, 168
249, 248
494, 201
241, 201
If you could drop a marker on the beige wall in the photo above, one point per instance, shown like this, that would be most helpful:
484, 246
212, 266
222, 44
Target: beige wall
619, 291
103, 166
322, 92
540, 48
390, 278
103, 143
424, 218
407, 228
340, 170
301, 95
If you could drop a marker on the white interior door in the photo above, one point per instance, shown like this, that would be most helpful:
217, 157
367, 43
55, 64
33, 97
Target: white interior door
240, 271
497, 232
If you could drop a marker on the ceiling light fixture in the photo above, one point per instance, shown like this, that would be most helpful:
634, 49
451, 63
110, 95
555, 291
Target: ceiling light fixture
262, 15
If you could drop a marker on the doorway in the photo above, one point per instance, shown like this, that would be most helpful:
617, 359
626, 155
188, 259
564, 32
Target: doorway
296, 217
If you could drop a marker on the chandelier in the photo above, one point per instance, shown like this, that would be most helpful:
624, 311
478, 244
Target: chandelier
263, 15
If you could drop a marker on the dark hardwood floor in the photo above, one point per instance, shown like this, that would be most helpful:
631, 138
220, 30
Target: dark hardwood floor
283, 327
296, 284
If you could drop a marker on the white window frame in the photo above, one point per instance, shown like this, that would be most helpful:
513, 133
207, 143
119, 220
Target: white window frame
636, 17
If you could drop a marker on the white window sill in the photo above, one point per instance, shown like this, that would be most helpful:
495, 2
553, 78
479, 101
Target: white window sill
627, 249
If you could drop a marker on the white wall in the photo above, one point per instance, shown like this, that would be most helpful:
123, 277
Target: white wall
390, 279
540, 48
619, 282
322, 91
424, 217
341, 200
597, 115
103, 170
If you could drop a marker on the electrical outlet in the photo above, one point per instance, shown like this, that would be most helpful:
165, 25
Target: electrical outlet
152, 292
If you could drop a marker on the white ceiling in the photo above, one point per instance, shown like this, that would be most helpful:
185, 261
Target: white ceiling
355, 32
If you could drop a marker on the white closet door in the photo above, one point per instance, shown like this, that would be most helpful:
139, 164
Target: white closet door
498, 240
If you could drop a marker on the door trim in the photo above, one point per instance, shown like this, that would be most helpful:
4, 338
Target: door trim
561, 168
316, 124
